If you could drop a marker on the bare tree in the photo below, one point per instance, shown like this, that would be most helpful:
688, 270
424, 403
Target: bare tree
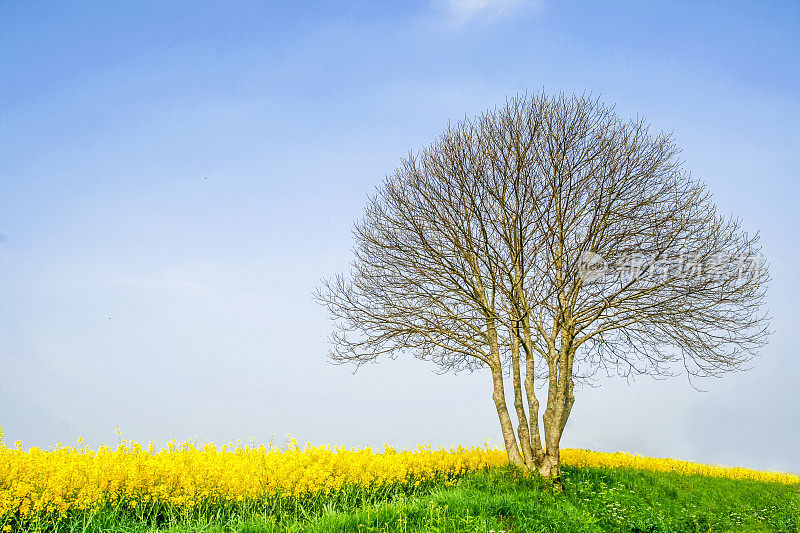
546, 240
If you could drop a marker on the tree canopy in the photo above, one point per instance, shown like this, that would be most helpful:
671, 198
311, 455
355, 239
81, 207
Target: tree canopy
549, 239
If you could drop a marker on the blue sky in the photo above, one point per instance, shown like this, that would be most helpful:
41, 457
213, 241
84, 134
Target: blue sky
176, 178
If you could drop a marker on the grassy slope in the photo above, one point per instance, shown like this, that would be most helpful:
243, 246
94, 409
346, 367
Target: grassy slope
594, 500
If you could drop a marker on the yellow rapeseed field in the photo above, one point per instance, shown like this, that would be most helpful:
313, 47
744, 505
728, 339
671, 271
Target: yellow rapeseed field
626, 460
35, 484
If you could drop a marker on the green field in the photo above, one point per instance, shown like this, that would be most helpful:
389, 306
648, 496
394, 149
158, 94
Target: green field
593, 500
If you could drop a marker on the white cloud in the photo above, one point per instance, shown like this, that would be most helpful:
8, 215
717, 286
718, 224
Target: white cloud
463, 11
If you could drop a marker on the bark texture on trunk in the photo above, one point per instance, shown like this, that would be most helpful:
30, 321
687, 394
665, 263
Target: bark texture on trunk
519, 405
506, 425
499, 396
525, 448
550, 466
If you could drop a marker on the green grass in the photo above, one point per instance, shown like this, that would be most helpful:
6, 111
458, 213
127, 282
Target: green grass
593, 500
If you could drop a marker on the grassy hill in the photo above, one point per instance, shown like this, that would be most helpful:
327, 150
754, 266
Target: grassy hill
503, 500
204, 488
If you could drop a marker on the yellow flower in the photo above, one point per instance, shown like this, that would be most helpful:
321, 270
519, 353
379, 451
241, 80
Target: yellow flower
185, 475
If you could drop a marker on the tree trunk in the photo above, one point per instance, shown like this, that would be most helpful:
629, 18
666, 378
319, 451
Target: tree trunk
507, 427
550, 467
559, 405
533, 403
519, 405
499, 397
528, 453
